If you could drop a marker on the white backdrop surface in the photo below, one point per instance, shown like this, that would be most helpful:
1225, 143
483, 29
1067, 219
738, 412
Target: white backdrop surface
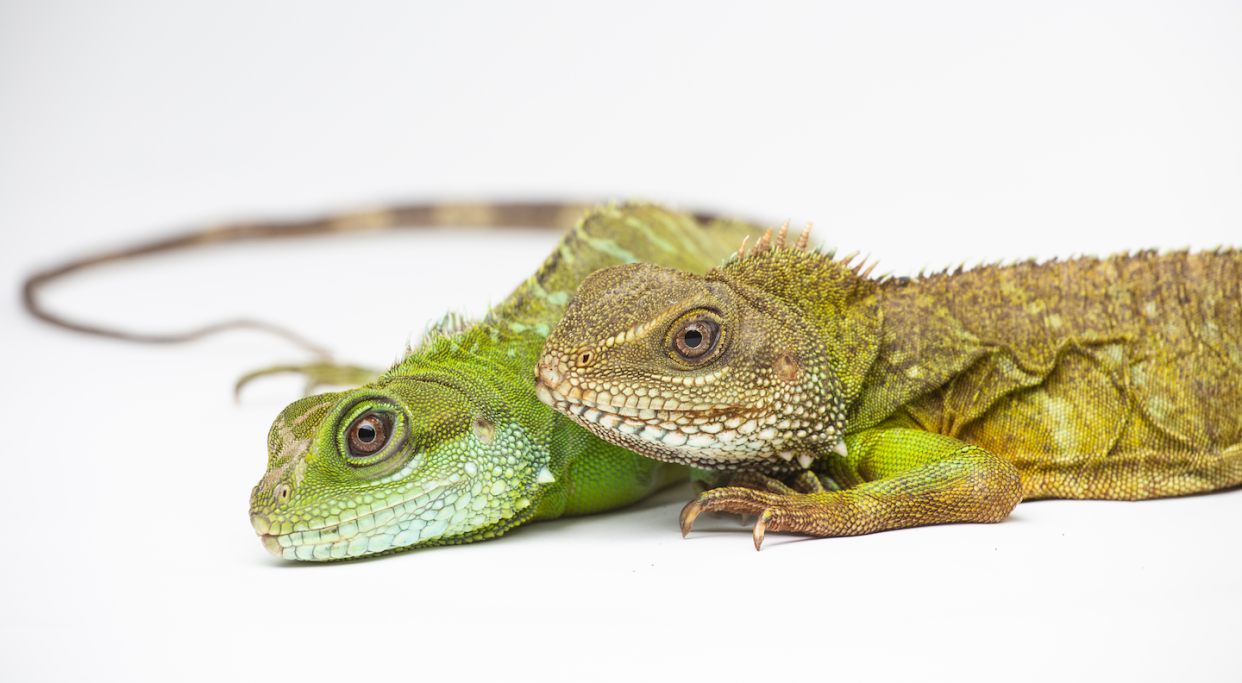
926, 134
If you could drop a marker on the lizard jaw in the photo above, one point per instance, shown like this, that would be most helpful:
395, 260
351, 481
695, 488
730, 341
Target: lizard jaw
389, 527
716, 437
273, 545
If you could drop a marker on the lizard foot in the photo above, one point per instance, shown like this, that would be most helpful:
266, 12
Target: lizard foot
776, 506
792, 511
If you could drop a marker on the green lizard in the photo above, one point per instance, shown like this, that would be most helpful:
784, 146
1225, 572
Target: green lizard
889, 403
451, 444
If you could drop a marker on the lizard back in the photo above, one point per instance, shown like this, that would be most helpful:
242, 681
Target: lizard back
1116, 378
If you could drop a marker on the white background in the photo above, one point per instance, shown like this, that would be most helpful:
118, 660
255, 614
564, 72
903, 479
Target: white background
926, 134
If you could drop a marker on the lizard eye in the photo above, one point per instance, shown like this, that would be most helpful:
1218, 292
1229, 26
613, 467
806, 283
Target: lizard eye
373, 436
368, 434
693, 339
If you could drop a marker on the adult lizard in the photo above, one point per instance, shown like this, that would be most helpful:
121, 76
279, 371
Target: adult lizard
892, 402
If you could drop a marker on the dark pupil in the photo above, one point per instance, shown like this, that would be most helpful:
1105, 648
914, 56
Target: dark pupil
366, 433
693, 338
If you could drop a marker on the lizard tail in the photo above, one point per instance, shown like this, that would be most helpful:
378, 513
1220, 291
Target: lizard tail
551, 215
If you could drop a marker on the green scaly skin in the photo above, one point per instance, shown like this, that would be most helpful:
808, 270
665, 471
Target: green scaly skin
451, 445
896, 403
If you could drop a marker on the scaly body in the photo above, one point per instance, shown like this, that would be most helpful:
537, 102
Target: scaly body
451, 445
892, 403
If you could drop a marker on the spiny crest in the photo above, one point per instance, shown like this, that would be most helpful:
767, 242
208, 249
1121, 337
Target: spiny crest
980, 267
766, 243
1034, 263
453, 322
858, 269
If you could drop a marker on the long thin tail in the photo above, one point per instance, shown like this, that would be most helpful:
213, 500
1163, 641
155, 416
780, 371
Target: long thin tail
551, 215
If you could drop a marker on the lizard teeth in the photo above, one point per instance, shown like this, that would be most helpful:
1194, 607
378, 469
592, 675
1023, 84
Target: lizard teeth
839, 449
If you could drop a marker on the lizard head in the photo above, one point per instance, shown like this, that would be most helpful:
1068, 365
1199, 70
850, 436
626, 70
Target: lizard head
711, 371
424, 456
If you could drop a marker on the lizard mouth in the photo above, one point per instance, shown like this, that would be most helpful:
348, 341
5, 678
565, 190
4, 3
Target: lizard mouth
381, 529
655, 417
712, 436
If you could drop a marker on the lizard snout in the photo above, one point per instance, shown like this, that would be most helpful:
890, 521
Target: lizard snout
547, 372
547, 379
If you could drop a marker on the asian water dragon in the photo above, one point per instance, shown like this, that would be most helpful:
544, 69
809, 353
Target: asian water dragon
844, 405
450, 445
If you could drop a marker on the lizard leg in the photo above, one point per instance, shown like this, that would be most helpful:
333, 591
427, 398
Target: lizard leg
906, 478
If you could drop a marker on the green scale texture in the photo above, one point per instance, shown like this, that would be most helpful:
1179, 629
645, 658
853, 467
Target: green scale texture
469, 451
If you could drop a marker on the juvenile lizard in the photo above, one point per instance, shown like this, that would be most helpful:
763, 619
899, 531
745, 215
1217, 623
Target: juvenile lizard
889, 403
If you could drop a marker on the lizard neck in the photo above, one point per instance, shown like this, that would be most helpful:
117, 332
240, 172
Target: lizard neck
923, 346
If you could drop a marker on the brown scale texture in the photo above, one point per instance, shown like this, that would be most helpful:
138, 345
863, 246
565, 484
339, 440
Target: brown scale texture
1118, 378
961, 394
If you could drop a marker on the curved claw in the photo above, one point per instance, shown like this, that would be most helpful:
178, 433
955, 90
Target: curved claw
688, 513
760, 527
